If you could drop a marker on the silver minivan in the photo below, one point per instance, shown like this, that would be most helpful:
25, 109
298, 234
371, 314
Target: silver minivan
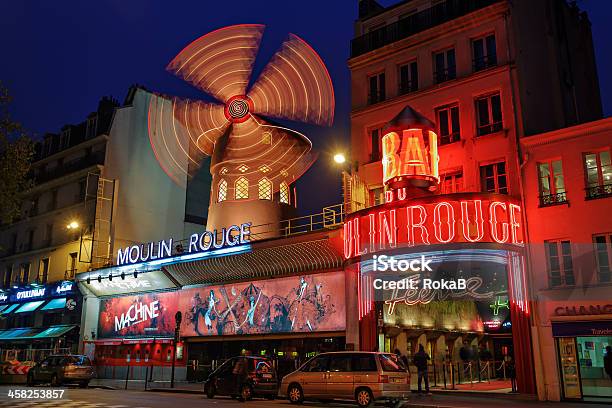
363, 377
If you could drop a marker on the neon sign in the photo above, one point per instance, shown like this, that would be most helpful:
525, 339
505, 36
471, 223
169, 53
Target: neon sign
466, 218
31, 293
207, 240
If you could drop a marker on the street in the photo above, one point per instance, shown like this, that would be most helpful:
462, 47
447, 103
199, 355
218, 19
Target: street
102, 398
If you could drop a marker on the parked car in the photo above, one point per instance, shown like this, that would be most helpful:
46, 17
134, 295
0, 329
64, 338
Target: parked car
243, 377
61, 369
363, 377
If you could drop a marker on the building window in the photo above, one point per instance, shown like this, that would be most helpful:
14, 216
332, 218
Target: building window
493, 178
448, 124
265, 189
284, 193
598, 174
49, 235
375, 144
376, 88
34, 207
552, 185
222, 191
24, 273
484, 52
72, 266
488, 110
92, 125
43, 271
560, 264
53, 201
30, 243
8, 276
444, 63
82, 190
603, 252
377, 196
242, 188
452, 183
408, 78
64, 138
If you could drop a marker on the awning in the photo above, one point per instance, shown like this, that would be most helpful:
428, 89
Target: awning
29, 307
2, 307
33, 333
9, 309
55, 304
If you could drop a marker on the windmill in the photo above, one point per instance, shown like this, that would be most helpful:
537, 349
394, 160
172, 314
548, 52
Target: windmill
254, 160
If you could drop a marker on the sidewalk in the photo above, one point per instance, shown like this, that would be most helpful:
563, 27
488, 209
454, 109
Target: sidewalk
139, 385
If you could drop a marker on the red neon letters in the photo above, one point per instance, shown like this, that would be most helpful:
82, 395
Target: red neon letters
433, 222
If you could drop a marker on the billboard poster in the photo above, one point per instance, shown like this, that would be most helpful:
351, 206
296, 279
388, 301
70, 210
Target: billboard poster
304, 303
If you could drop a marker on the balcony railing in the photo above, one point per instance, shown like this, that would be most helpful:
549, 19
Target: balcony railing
407, 87
449, 138
445, 75
488, 128
440, 13
70, 167
487, 61
553, 199
600, 191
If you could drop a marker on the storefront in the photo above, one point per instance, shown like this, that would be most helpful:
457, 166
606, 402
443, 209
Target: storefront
284, 299
581, 347
37, 320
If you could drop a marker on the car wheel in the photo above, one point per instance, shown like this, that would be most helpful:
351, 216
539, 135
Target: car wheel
54, 381
84, 384
246, 393
210, 391
295, 395
364, 397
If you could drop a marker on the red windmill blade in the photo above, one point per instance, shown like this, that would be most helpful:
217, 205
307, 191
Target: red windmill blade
248, 152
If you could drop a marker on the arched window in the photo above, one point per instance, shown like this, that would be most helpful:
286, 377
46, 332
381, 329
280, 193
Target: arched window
242, 188
284, 193
265, 189
222, 191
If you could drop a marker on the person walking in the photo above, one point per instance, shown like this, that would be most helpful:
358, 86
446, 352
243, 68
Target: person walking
511, 370
608, 361
420, 361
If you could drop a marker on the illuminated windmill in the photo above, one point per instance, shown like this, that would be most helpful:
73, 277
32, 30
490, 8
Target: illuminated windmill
254, 161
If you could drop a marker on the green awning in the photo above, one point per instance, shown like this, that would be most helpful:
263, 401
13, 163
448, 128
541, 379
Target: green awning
27, 333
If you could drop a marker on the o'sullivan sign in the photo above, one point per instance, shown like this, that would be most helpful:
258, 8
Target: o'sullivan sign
454, 218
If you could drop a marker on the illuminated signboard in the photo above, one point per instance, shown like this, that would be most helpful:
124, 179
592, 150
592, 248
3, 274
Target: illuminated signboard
146, 281
456, 218
309, 303
37, 292
208, 240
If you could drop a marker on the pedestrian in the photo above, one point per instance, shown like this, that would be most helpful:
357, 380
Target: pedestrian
420, 361
511, 370
608, 361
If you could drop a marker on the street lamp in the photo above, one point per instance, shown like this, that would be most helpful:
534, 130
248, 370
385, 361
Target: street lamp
72, 225
339, 158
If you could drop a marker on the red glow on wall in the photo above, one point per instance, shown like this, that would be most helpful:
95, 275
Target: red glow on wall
446, 219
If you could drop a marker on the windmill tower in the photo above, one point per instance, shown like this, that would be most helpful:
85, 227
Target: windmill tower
254, 161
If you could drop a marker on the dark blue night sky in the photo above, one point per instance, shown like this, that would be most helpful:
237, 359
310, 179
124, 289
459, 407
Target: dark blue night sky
59, 57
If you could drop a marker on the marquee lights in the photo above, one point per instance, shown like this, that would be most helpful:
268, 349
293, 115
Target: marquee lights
436, 220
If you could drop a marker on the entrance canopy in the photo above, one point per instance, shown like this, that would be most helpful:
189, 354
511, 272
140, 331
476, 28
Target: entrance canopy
33, 333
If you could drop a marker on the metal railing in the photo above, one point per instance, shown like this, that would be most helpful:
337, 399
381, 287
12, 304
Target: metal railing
553, 199
407, 87
449, 138
599, 191
484, 62
488, 128
70, 167
375, 97
440, 13
445, 74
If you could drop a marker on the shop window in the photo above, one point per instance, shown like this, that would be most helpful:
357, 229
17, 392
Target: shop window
377, 196
8, 275
493, 178
375, 144
484, 52
408, 78
598, 174
603, 253
376, 88
265, 189
560, 263
448, 124
222, 191
552, 185
284, 193
452, 183
445, 68
489, 114
24, 273
242, 188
